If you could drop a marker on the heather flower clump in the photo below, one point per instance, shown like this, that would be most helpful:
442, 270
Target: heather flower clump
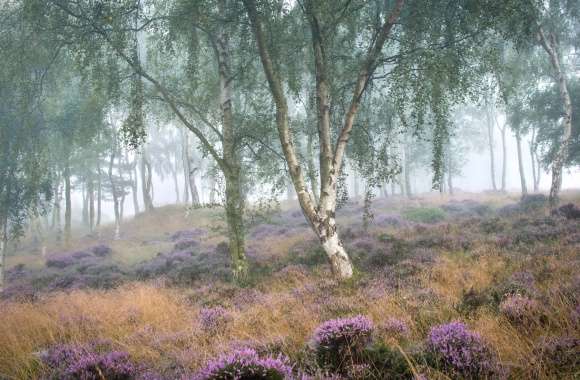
462, 351
519, 309
559, 353
339, 342
71, 362
246, 364
213, 318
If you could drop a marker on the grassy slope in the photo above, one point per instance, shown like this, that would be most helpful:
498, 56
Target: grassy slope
159, 325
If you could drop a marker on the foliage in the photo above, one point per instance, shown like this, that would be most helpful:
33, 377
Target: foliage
71, 362
339, 342
246, 364
462, 350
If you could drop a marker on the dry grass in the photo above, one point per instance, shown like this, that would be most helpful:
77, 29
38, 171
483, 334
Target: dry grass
159, 325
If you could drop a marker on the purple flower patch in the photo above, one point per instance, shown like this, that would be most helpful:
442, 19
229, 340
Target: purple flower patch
213, 318
340, 342
246, 364
520, 310
463, 351
72, 362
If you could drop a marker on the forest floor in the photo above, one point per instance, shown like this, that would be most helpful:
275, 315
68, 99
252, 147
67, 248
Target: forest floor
162, 293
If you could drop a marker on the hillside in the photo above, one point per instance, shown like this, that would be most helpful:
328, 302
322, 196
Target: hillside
162, 296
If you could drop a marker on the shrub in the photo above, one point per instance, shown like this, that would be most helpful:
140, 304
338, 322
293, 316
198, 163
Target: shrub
472, 300
519, 283
520, 310
559, 354
569, 211
424, 215
384, 362
101, 250
339, 342
213, 318
533, 202
246, 364
462, 351
71, 362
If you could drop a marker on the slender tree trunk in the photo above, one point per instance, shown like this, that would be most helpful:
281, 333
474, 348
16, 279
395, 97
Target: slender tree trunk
3, 251
393, 186
91, 196
407, 172
175, 184
212, 190
85, 210
356, 185
146, 181
533, 159
56, 217
99, 195
191, 180
185, 160
115, 194
134, 187
504, 159
521, 164
491, 143
235, 200
551, 46
235, 204
68, 205
538, 173
449, 172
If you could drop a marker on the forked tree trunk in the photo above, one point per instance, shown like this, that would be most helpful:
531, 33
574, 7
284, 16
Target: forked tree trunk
551, 46
134, 187
321, 216
521, 164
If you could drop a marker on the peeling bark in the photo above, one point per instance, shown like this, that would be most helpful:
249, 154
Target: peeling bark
322, 216
551, 46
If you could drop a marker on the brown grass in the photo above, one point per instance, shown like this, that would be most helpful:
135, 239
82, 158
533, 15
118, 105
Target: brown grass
157, 324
